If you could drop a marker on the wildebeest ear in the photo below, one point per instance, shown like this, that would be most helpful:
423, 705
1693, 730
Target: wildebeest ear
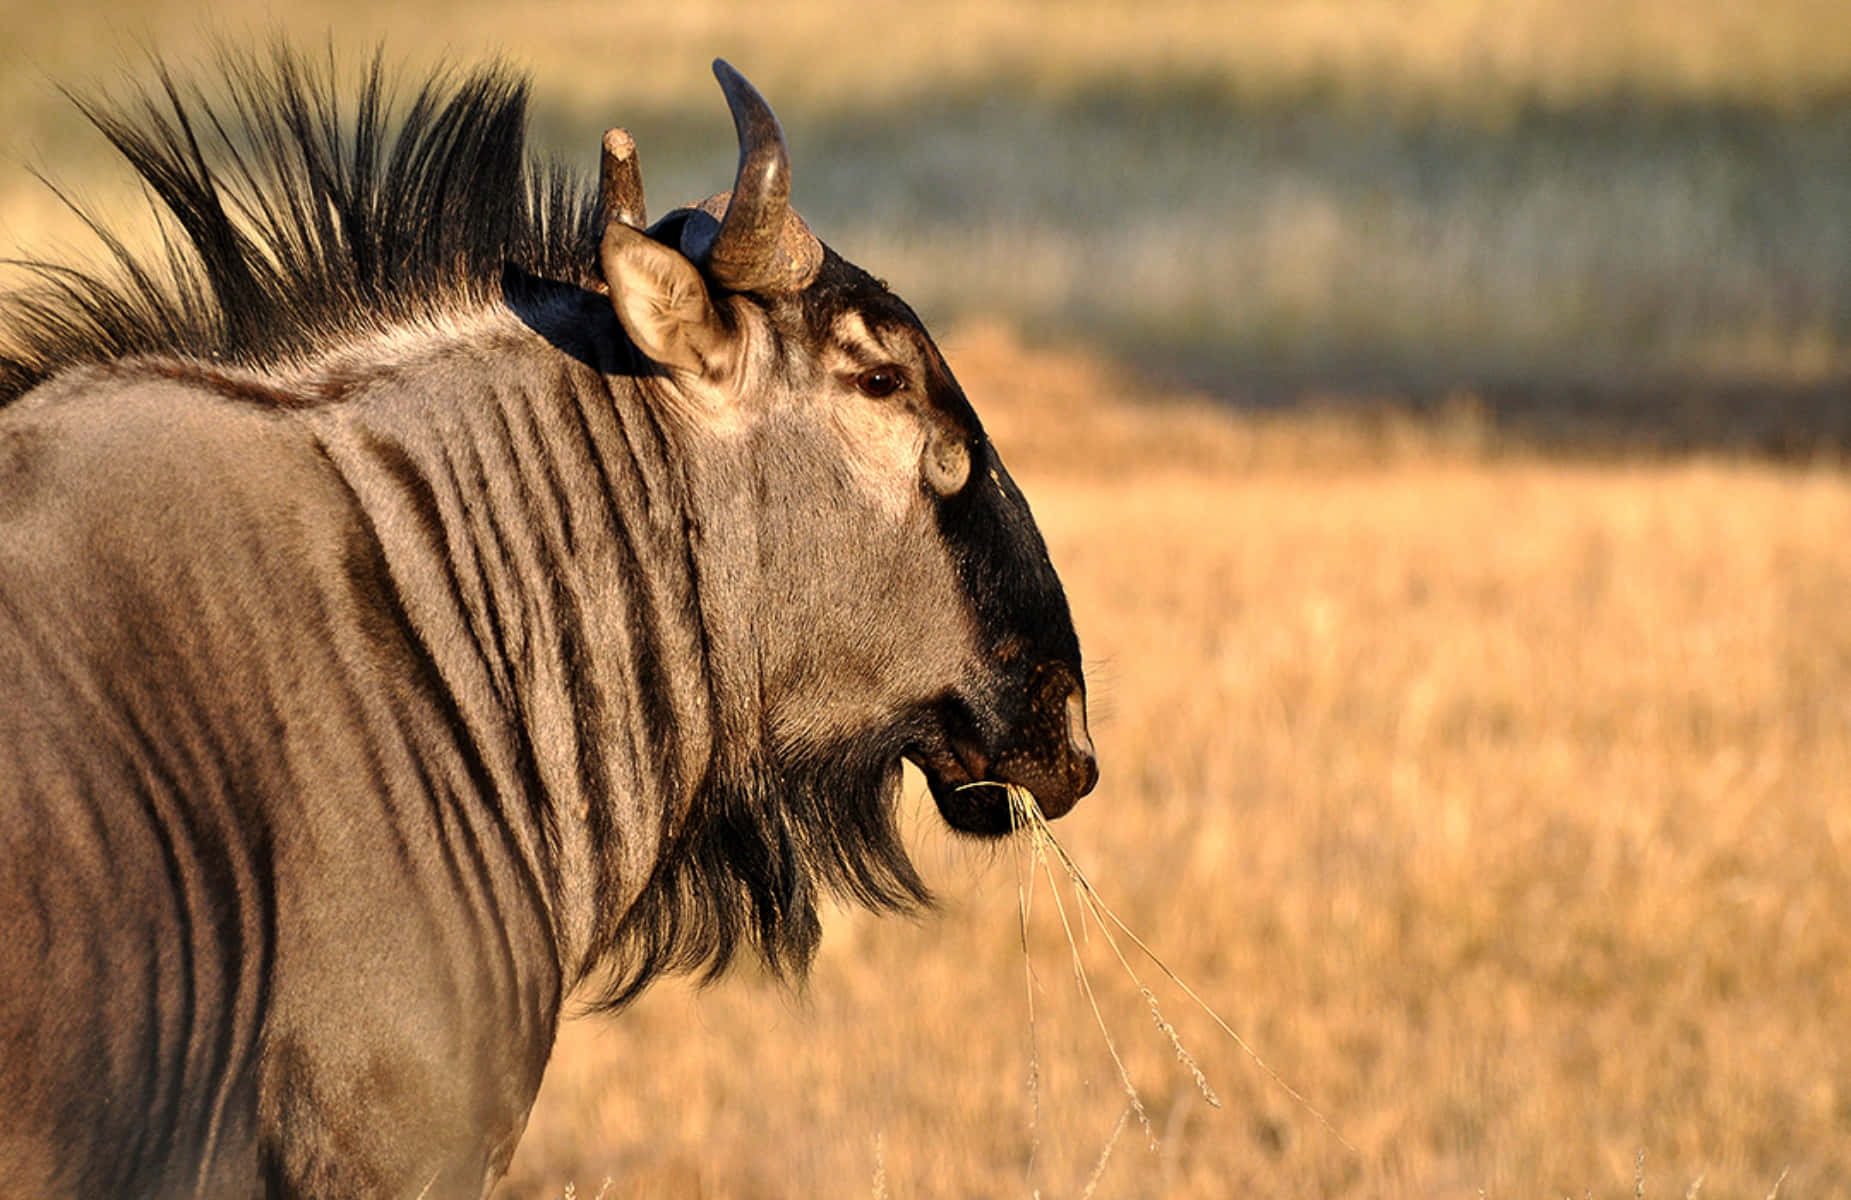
945, 462
662, 302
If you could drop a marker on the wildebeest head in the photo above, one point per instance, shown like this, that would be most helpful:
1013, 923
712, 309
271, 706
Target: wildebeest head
908, 601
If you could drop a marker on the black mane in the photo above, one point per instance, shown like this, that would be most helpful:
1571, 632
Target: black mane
292, 218
751, 873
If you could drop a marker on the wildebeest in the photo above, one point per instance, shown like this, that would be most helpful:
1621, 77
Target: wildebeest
426, 594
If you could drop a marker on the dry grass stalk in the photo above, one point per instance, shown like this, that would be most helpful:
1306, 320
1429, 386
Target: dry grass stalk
1105, 1154
1025, 897
571, 1192
1025, 814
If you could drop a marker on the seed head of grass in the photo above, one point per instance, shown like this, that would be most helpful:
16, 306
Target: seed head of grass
1044, 853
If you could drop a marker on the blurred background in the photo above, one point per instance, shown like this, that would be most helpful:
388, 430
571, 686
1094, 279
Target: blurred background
1626, 215
1438, 410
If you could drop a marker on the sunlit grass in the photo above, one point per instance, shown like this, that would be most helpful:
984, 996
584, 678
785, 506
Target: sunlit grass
1495, 800
1043, 856
1489, 55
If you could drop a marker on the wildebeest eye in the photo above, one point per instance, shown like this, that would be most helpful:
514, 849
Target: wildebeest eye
880, 382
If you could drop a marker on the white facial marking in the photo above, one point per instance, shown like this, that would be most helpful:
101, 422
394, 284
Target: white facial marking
882, 441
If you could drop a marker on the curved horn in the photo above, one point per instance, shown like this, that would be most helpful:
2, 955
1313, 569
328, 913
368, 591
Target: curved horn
761, 245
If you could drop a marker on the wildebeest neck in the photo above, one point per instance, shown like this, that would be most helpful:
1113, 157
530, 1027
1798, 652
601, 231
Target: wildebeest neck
536, 529
584, 567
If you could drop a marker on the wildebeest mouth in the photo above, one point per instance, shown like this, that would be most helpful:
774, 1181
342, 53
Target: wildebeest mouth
1057, 767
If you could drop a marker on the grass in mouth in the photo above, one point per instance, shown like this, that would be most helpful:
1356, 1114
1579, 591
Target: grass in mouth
1043, 855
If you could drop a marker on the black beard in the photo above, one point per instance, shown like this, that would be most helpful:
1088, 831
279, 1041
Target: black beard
759, 853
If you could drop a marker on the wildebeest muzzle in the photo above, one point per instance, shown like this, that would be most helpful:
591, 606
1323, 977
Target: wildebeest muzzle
1044, 747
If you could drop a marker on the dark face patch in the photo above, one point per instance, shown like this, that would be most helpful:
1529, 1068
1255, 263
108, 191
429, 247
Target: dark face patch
1017, 713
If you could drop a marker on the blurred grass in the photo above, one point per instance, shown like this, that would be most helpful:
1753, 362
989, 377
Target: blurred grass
1180, 223
1455, 55
1637, 207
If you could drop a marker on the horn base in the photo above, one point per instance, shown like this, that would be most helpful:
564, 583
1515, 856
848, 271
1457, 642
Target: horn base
787, 264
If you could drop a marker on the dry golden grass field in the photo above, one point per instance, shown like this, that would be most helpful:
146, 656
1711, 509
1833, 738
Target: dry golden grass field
1499, 802
1499, 797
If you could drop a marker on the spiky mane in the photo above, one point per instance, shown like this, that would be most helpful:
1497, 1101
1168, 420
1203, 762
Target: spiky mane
295, 213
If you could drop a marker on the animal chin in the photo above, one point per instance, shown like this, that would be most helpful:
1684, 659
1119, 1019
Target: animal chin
982, 810
952, 759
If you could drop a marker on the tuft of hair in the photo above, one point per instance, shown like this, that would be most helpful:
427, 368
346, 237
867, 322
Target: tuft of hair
750, 873
295, 212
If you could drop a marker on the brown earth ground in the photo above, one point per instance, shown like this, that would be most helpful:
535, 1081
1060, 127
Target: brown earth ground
1498, 800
